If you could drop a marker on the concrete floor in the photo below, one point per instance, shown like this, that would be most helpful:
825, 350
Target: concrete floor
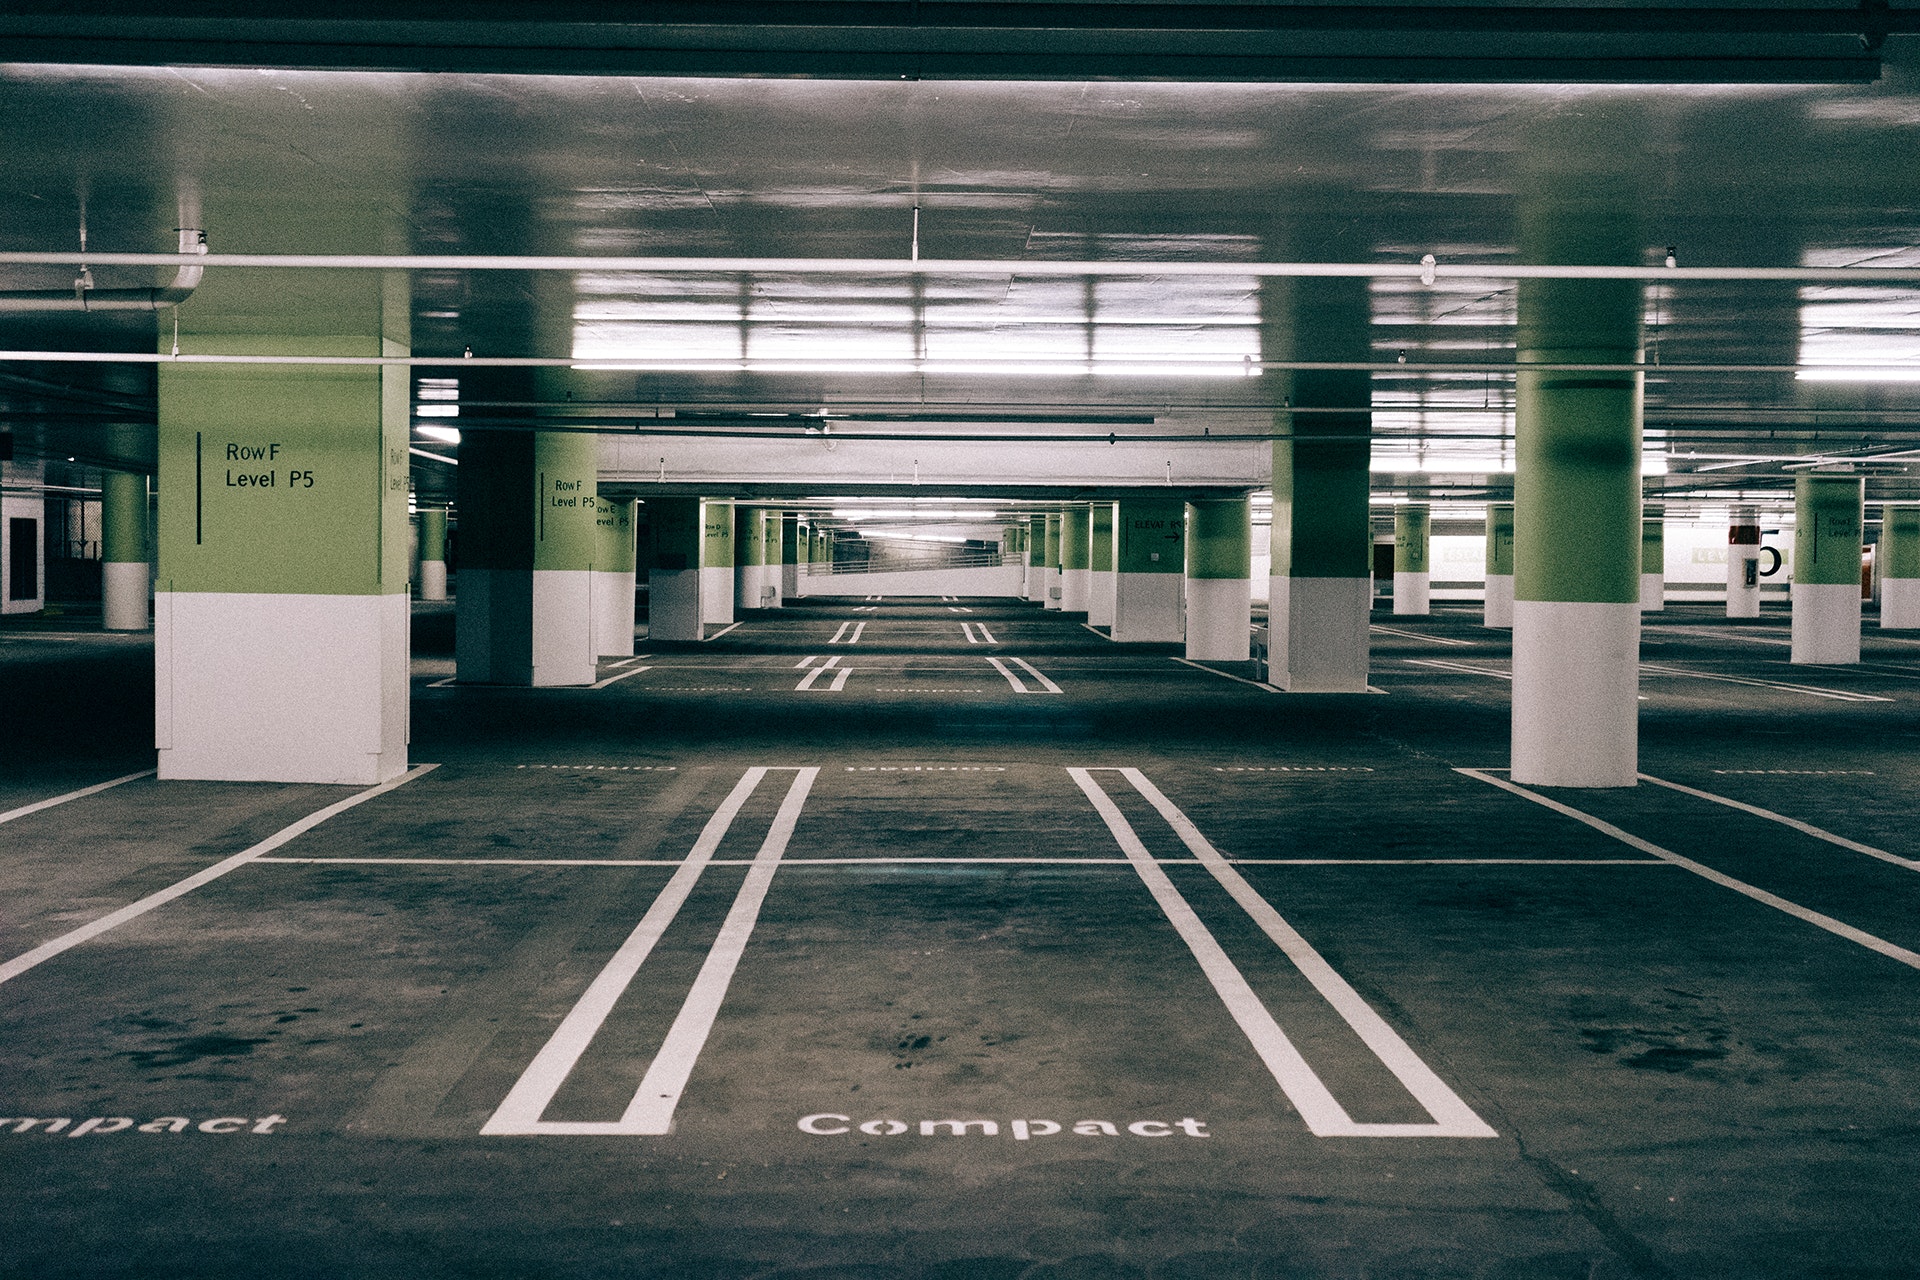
1690, 1028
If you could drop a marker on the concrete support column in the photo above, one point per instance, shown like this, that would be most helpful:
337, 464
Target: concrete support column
1828, 517
789, 556
1900, 567
1037, 558
1576, 613
1653, 562
1411, 576
750, 548
673, 577
1219, 579
1149, 570
613, 578
280, 623
1100, 561
1499, 599
433, 553
1050, 585
124, 569
528, 540
1076, 564
772, 582
23, 542
1743, 564
718, 548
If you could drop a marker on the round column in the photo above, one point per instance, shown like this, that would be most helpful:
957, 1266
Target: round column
1050, 597
1219, 579
1499, 599
1653, 563
1900, 567
750, 550
1076, 571
1411, 579
433, 553
1743, 563
1828, 517
123, 551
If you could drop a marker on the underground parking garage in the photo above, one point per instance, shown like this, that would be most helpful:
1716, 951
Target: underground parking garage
980, 641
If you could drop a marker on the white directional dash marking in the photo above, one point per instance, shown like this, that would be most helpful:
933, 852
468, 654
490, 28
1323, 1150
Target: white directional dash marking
814, 673
1415, 635
1019, 684
844, 636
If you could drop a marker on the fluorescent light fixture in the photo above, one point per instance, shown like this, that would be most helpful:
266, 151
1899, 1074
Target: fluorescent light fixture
450, 435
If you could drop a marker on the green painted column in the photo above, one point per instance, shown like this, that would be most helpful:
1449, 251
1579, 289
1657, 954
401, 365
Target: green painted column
1100, 556
772, 578
1653, 561
613, 578
433, 553
750, 544
124, 567
528, 543
1576, 639
1412, 577
1036, 544
1219, 582
1499, 594
717, 562
1827, 532
1899, 557
1076, 564
1150, 555
1052, 586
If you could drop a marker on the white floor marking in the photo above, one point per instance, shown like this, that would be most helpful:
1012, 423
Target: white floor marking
1836, 927
958, 609
855, 637
601, 684
966, 629
1097, 631
1045, 862
1838, 695
113, 920
1045, 683
1415, 635
1443, 664
1781, 818
1012, 679
479, 862
840, 680
1729, 633
1324, 1116
722, 631
807, 661
626, 662
842, 631
814, 673
531, 1094
1225, 676
985, 634
95, 789
441, 684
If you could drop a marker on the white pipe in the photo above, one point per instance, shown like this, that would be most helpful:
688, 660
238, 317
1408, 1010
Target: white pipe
956, 266
191, 262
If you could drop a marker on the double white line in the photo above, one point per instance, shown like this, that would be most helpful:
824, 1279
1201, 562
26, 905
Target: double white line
983, 636
1013, 678
651, 1111
841, 636
807, 681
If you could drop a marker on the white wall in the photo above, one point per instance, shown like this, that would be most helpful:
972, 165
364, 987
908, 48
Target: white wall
998, 580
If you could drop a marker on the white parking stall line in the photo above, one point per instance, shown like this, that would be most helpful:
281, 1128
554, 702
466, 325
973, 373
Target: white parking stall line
113, 920
1012, 679
952, 608
1818, 833
807, 661
1415, 635
1837, 695
985, 634
1045, 683
1442, 664
441, 684
966, 629
814, 673
627, 662
632, 671
1258, 684
1322, 1112
83, 792
1654, 630
651, 1111
841, 632
722, 631
857, 630
1097, 631
1836, 927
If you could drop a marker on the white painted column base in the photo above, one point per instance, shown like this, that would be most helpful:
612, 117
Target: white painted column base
1076, 590
563, 648
1052, 587
433, 579
1219, 619
1317, 634
1036, 583
1899, 603
1743, 601
1826, 622
1576, 694
789, 582
716, 595
613, 613
1146, 608
1653, 592
1499, 603
1100, 599
673, 604
124, 596
1411, 593
280, 688
751, 585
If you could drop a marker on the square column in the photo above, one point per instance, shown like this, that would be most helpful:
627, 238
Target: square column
1828, 516
1900, 567
750, 571
1653, 562
1412, 576
1499, 595
613, 578
1150, 551
124, 570
673, 576
1743, 563
433, 553
1076, 535
1219, 579
1050, 583
716, 561
281, 618
789, 556
1037, 558
1101, 563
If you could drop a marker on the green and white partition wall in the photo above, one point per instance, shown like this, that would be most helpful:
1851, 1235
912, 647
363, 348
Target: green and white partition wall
613, 578
1076, 566
1900, 566
433, 553
281, 615
1149, 569
124, 567
1219, 582
1100, 582
1412, 576
1827, 527
1499, 593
